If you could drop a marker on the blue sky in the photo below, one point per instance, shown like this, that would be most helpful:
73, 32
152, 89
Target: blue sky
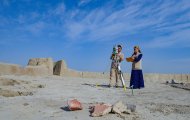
83, 32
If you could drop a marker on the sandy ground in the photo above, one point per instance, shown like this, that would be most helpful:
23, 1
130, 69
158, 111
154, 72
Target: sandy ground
45, 98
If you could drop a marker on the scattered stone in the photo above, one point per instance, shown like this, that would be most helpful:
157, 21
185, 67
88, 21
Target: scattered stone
182, 86
100, 109
119, 108
74, 105
132, 108
9, 82
173, 82
25, 104
167, 109
24, 93
41, 86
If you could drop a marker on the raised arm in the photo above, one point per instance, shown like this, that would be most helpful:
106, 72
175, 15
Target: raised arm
138, 58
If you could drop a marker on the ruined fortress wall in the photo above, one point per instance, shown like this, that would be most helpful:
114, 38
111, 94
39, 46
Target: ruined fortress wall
6, 69
60, 68
12, 69
148, 77
44, 67
45, 63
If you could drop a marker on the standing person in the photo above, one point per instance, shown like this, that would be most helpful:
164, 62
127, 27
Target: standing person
116, 58
137, 80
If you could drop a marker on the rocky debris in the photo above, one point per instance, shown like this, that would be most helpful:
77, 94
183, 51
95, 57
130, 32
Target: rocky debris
37, 86
25, 93
181, 85
119, 108
12, 82
25, 104
10, 93
100, 109
172, 82
41, 86
74, 105
132, 108
185, 86
13, 87
167, 109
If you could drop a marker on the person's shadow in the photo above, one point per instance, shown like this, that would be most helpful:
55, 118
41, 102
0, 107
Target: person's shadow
102, 85
94, 85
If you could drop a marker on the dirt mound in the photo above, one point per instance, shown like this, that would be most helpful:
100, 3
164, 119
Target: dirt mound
13, 87
11, 82
10, 93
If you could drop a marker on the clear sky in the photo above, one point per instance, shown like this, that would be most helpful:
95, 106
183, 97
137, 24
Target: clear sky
83, 32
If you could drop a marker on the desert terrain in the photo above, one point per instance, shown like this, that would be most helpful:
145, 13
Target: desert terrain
45, 98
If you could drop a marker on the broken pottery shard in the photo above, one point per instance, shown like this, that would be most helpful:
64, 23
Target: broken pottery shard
74, 105
100, 109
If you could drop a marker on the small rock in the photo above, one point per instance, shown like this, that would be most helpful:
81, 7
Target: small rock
173, 82
119, 108
25, 104
20, 93
40, 86
132, 108
74, 105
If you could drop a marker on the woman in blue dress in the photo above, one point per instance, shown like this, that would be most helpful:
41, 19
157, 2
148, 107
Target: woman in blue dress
137, 81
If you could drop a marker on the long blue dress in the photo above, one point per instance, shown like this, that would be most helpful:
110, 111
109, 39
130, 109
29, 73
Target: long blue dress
137, 80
